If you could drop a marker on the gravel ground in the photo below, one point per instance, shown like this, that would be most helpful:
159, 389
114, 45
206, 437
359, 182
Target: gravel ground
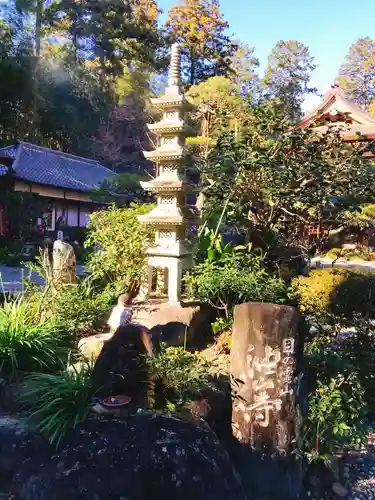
358, 469
12, 278
362, 473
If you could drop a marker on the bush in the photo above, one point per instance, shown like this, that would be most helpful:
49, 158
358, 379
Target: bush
181, 374
122, 242
359, 347
235, 278
78, 309
337, 416
26, 346
59, 402
336, 291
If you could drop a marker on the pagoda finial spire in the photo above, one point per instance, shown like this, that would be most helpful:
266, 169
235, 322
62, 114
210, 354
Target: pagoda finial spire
175, 67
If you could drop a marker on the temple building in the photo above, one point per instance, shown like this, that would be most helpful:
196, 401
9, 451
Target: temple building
172, 219
62, 183
337, 111
355, 125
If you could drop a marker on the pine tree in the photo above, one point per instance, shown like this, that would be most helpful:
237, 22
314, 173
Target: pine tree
244, 66
288, 74
357, 73
201, 29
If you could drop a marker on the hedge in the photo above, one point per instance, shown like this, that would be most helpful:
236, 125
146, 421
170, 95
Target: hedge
336, 291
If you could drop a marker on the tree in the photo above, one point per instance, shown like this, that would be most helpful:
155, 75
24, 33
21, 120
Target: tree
357, 73
16, 94
275, 181
36, 9
121, 139
200, 28
118, 33
216, 101
244, 66
288, 74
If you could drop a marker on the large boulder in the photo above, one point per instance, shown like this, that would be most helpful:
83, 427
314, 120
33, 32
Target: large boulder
173, 325
90, 347
121, 367
142, 457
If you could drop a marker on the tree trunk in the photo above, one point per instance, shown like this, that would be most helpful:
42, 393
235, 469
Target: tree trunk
38, 27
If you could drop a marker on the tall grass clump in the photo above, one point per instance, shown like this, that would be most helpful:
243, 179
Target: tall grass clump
58, 402
26, 346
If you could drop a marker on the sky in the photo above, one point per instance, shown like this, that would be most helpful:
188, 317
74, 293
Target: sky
327, 27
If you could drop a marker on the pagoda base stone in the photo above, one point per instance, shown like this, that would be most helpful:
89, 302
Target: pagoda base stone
172, 269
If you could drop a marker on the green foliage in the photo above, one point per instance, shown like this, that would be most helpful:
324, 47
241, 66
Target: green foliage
25, 344
211, 247
275, 181
181, 374
59, 402
359, 253
122, 241
236, 277
79, 309
337, 410
218, 105
336, 291
359, 347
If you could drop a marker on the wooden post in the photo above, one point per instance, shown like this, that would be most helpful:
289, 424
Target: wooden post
265, 357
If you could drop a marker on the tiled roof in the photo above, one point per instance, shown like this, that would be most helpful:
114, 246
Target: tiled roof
54, 168
8, 152
3, 170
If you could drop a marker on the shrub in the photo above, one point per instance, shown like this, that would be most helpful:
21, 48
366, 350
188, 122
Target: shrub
59, 402
26, 346
78, 309
181, 374
336, 291
337, 416
122, 242
359, 347
235, 278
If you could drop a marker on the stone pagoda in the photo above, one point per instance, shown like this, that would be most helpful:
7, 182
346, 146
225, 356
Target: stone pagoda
172, 218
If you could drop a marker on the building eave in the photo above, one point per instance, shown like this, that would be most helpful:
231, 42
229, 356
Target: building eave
335, 103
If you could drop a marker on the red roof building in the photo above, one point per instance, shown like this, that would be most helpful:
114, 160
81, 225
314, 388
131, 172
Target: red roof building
337, 111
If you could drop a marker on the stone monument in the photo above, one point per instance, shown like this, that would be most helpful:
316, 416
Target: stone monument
171, 252
64, 263
266, 361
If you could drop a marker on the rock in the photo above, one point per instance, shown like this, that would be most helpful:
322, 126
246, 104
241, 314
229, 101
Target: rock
121, 368
142, 457
314, 481
90, 347
339, 490
64, 263
213, 406
173, 323
16, 445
